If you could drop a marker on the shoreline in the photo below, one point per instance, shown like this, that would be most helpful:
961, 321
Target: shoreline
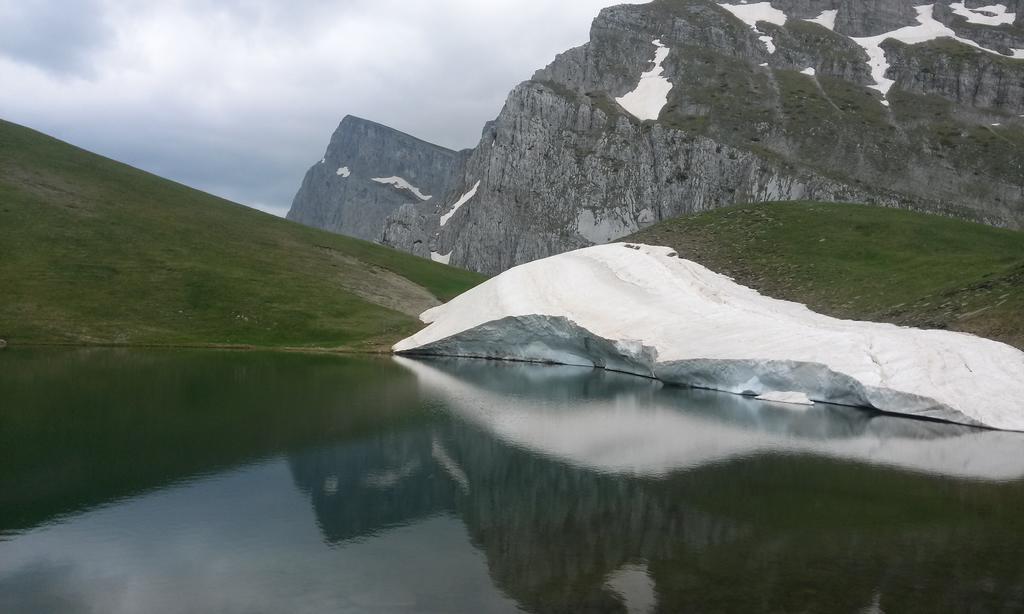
200, 346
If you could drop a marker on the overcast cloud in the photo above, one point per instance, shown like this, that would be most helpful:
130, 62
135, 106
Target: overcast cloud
239, 97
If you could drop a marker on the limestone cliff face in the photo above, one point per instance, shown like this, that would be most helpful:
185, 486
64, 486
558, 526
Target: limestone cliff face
557, 172
368, 172
565, 165
785, 107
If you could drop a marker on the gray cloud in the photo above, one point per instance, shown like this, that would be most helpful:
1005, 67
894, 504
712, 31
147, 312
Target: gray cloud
60, 37
240, 97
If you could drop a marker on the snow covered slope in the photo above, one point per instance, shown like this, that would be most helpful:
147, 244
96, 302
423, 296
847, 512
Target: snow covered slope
642, 310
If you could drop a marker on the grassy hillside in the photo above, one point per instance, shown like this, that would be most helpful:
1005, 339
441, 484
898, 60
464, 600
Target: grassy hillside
97, 252
861, 262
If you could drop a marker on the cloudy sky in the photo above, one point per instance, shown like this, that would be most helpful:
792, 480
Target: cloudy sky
239, 97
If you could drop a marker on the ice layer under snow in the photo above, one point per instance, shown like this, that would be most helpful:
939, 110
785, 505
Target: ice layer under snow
651, 93
783, 396
402, 184
465, 198
639, 309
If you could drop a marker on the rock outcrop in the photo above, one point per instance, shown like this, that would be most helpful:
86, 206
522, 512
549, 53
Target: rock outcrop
368, 172
887, 102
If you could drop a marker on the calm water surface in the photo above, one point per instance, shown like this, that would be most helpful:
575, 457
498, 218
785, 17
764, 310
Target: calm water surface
137, 481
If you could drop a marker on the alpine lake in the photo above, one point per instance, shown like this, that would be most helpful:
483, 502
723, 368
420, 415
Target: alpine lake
164, 481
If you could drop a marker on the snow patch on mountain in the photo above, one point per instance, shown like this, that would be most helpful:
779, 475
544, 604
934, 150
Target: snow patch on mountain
402, 184
641, 310
442, 258
651, 93
465, 198
991, 15
751, 14
810, 72
344, 172
928, 29
827, 19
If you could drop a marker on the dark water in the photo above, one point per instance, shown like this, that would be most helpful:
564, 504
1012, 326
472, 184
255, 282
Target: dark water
230, 482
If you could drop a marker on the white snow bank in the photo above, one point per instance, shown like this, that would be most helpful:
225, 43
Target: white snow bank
751, 14
442, 258
651, 93
826, 19
991, 15
634, 430
465, 198
402, 184
641, 310
810, 72
928, 29
344, 172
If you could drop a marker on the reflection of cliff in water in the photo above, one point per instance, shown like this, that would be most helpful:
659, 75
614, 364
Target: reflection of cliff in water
570, 520
544, 526
361, 488
83, 427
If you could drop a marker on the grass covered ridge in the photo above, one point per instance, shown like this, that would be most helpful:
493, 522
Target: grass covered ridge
97, 252
861, 262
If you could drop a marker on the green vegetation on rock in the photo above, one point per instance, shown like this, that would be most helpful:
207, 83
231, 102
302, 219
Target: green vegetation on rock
97, 252
854, 261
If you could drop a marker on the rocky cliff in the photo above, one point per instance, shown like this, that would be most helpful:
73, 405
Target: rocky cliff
368, 172
679, 106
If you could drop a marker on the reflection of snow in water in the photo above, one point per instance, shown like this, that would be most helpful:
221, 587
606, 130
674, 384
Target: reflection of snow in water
388, 479
634, 585
645, 432
440, 454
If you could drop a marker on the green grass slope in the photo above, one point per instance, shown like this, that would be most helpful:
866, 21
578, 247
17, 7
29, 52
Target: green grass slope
860, 262
97, 252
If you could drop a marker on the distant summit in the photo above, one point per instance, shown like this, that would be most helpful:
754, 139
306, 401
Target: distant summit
367, 173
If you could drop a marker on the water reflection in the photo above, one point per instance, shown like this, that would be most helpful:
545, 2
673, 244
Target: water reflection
597, 521
617, 423
366, 487
311, 484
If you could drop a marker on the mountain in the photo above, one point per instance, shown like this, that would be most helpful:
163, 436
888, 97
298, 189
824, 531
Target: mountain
682, 106
97, 252
367, 173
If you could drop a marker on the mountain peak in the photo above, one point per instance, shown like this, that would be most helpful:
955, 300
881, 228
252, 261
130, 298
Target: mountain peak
367, 173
